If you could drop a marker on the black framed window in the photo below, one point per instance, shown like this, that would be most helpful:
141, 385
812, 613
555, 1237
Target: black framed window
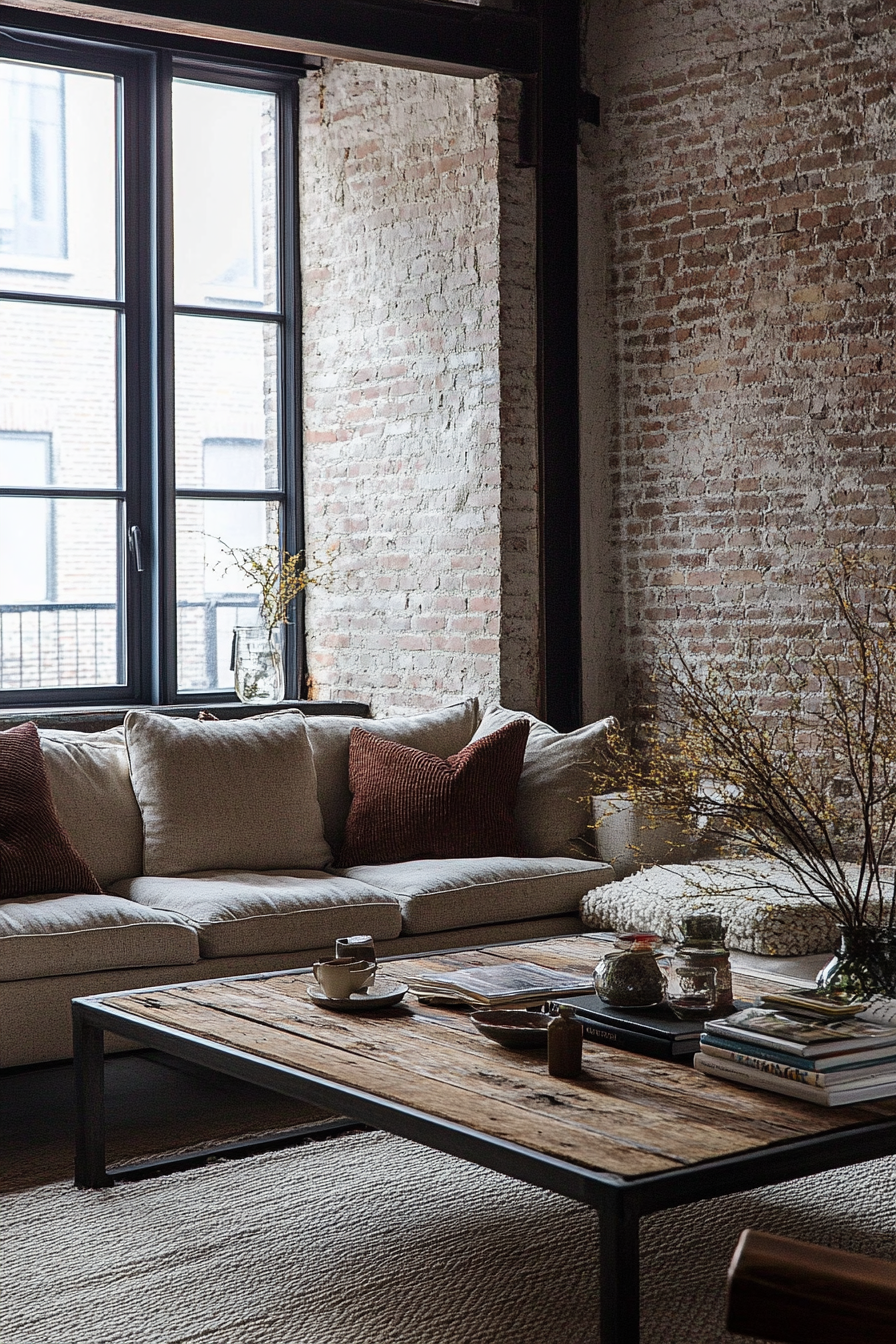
148, 373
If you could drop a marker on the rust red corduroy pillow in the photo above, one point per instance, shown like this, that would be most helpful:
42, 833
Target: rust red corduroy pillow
408, 804
36, 856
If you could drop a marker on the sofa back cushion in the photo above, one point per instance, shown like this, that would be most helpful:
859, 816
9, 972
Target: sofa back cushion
409, 804
92, 792
36, 855
229, 794
442, 732
553, 807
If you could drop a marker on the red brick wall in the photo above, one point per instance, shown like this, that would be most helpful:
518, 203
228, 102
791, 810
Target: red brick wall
739, 219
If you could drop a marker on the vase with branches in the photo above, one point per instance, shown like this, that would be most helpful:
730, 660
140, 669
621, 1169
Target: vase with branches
793, 761
280, 577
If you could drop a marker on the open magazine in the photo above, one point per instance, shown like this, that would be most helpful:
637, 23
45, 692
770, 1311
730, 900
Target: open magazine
517, 982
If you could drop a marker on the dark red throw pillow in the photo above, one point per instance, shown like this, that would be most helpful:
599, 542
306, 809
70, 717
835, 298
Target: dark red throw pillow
36, 856
408, 804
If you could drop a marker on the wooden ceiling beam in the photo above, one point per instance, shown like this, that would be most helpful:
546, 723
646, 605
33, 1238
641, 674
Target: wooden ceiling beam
447, 38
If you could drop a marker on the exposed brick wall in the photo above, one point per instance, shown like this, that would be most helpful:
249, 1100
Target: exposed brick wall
403, 404
744, 183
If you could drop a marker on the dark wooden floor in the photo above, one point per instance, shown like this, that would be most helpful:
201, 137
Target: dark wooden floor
153, 1106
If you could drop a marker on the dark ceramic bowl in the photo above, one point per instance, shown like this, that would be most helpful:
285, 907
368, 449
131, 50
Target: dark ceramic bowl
513, 1027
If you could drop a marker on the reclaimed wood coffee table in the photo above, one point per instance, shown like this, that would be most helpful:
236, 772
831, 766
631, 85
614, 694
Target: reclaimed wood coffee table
630, 1137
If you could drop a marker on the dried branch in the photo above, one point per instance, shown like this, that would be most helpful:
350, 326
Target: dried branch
809, 783
278, 575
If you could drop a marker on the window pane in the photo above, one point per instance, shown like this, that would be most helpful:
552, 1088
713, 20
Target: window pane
58, 180
58, 395
59, 581
225, 195
213, 597
226, 404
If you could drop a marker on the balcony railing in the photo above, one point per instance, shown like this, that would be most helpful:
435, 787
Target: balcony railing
50, 644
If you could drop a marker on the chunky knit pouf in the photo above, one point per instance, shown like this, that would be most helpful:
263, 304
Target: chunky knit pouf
757, 917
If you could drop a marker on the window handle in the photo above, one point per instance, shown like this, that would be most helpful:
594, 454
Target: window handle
136, 548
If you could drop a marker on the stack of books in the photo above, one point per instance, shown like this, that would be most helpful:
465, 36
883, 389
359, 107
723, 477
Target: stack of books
645, 1031
515, 984
803, 1046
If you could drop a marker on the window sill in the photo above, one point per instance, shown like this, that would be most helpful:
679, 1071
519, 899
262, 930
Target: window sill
91, 720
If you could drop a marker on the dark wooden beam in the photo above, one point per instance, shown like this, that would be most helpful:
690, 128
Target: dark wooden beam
558, 360
449, 38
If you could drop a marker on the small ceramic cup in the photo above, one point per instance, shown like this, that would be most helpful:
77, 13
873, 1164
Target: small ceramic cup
357, 945
339, 977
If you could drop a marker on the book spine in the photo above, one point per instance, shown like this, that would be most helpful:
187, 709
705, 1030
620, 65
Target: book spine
819, 1096
749, 1061
757, 1038
734, 1073
760, 1051
654, 1046
858, 1075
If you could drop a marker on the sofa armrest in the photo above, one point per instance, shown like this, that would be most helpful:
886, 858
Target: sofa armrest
780, 1289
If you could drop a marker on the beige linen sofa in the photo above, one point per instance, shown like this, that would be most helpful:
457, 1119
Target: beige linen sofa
163, 918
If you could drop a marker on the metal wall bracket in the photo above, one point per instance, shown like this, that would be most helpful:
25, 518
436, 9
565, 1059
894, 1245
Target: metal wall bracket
589, 107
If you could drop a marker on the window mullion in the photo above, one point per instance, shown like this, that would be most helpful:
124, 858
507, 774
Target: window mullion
164, 499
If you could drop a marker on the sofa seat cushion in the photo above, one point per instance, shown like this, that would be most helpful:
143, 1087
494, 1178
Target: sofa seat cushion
75, 934
438, 894
240, 913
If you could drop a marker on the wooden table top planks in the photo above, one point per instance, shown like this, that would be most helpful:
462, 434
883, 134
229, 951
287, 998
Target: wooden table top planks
627, 1114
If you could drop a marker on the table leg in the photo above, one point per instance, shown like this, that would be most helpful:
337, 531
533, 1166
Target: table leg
620, 1287
90, 1104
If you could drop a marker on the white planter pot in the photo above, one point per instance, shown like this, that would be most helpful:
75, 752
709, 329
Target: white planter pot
629, 839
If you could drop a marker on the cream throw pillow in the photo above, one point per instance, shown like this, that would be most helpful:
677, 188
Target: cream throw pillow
235, 793
553, 802
91, 787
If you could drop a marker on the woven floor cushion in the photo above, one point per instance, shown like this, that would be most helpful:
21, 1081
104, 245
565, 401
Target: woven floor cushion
757, 919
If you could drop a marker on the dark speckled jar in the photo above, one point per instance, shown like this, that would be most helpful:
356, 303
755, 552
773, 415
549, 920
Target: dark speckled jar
630, 976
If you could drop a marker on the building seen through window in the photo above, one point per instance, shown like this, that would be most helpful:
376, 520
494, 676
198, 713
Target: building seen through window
32, 162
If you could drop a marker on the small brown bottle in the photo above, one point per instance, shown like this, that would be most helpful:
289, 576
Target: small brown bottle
565, 1043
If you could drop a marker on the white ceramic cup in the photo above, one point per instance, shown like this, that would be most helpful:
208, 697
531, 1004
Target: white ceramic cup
339, 976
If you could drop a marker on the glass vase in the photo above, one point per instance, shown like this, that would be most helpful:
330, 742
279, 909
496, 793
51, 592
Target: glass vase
258, 664
864, 965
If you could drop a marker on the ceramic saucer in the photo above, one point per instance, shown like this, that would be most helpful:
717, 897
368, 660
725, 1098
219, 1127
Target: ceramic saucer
383, 993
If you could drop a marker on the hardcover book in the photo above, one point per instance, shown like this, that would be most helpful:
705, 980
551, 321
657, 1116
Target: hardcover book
828, 1063
819, 1096
645, 1031
799, 1071
800, 1036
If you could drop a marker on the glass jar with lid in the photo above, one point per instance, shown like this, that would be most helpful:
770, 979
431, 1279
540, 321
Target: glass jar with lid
703, 948
630, 976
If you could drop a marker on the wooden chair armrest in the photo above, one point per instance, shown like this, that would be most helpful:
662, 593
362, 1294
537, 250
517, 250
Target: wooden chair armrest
791, 1291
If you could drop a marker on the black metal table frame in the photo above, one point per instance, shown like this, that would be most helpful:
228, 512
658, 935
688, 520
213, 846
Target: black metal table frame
620, 1201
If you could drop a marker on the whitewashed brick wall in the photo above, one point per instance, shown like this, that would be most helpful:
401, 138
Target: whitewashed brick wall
418, 274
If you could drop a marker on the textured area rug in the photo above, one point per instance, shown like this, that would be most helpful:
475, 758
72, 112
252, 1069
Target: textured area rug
371, 1238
